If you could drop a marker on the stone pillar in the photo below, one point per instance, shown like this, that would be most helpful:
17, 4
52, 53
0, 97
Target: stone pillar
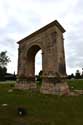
54, 73
53, 85
25, 78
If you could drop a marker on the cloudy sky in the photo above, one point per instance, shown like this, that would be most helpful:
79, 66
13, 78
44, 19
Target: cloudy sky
19, 18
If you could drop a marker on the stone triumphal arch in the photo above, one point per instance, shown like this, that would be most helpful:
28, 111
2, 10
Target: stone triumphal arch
50, 40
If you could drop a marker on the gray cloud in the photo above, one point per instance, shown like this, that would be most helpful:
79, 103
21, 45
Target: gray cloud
20, 18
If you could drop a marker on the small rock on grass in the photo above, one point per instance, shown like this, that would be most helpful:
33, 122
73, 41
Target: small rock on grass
10, 90
4, 105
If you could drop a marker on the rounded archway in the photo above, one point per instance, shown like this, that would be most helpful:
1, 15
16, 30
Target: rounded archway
31, 53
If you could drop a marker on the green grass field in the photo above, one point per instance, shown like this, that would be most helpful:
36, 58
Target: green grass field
76, 84
41, 109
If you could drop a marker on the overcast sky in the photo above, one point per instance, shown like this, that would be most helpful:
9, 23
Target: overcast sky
19, 18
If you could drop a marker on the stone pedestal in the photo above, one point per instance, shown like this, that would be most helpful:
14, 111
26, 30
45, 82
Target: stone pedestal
54, 86
25, 86
27, 83
50, 85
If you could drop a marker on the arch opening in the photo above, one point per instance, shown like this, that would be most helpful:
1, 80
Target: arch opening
38, 62
33, 59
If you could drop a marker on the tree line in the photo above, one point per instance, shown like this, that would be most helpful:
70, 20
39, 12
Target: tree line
4, 60
77, 75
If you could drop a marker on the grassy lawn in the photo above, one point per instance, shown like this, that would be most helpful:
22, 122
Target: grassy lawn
76, 84
41, 109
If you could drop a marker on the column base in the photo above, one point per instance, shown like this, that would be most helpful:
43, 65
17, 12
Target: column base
53, 86
26, 86
28, 83
50, 85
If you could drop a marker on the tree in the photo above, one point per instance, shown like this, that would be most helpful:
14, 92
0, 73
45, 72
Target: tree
39, 78
82, 73
40, 73
77, 75
2, 73
4, 59
71, 76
